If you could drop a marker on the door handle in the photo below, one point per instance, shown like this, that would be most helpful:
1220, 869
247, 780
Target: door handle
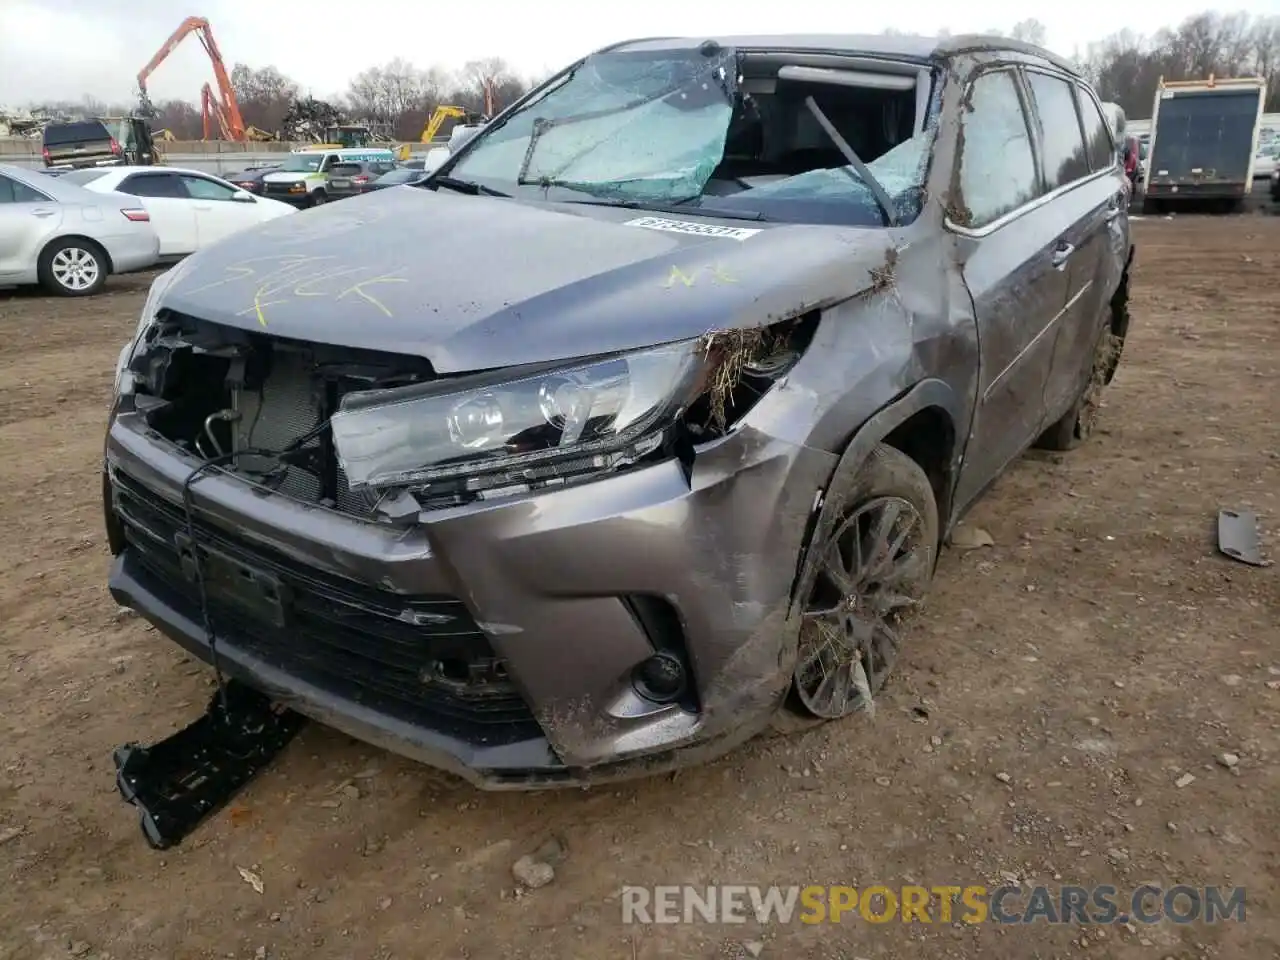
42, 213
1061, 255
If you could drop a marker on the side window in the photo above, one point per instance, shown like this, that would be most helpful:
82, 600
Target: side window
329, 161
24, 194
201, 189
1097, 134
1066, 158
997, 165
154, 185
13, 191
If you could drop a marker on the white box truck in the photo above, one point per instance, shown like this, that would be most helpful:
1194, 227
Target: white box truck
1204, 134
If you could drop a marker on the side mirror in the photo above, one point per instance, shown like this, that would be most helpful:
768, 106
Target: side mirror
242, 196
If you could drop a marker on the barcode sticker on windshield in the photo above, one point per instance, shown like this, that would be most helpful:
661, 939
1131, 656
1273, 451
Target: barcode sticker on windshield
694, 229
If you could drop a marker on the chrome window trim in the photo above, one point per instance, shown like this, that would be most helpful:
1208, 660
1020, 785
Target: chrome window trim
1036, 149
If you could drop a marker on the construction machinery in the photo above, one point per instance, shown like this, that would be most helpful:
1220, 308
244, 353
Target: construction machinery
445, 112
221, 106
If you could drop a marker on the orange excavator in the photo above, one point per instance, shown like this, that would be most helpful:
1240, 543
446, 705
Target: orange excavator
222, 106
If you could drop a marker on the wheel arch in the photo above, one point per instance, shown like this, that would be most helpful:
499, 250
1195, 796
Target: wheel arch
79, 238
924, 423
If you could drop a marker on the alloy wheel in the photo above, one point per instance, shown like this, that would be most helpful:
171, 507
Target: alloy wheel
75, 268
873, 566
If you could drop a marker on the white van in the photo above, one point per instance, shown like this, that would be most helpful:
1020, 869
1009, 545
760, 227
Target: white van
302, 178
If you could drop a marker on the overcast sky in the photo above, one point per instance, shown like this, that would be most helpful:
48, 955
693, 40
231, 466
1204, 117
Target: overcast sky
63, 49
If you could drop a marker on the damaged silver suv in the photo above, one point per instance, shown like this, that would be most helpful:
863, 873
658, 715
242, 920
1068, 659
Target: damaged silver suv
643, 418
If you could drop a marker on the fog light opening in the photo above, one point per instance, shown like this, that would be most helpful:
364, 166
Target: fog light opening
661, 678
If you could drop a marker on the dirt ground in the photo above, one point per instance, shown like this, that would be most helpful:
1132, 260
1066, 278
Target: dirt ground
1071, 673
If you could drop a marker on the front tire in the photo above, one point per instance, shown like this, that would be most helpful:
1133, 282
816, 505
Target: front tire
73, 268
871, 561
317, 198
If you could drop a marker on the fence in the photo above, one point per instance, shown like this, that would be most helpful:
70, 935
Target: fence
211, 156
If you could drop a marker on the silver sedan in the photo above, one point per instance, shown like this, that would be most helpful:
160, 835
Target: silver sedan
66, 238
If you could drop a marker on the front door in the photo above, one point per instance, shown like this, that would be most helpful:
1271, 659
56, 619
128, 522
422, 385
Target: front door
217, 214
27, 218
1014, 264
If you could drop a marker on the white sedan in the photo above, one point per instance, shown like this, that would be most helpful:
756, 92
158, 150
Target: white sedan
68, 239
189, 209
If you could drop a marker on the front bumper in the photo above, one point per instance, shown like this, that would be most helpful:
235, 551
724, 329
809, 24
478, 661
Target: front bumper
1198, 190
549, 582
293, 199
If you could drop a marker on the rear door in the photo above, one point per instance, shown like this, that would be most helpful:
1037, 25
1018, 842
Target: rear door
1013, 264
341, 174
1085, 190
172, 215
27, 218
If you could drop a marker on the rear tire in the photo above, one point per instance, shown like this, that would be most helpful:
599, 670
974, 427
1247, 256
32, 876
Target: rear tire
1076, 425
73, 268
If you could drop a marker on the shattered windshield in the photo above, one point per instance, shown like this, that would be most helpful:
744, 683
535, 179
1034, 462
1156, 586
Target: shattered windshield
643, 126
711, 130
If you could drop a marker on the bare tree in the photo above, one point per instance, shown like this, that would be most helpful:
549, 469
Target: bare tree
180, 118
1127, 68
1030, 30
264, 95
486, 76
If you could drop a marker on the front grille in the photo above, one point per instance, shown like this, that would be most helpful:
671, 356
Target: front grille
279, 190
420, 659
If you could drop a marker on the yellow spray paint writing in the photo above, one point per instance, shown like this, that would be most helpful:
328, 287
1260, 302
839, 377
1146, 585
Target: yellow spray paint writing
291, 276
717, 274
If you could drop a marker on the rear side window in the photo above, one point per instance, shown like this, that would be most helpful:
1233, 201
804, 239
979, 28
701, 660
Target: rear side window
1102, 149
57, 134
154, 185
14, 191
997, 166
1066, 159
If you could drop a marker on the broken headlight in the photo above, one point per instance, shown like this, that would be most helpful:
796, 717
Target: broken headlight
149, 309
596, 413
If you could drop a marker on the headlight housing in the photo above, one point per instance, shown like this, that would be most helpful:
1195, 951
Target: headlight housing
149, 309
576, 418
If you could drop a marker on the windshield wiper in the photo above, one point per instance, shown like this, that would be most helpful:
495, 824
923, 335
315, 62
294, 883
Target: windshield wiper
887, 209
464, 186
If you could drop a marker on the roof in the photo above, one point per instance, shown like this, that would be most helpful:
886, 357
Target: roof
127, 169
60, 190
896, 46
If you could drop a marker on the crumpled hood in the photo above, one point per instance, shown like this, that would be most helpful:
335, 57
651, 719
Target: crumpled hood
472, 282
